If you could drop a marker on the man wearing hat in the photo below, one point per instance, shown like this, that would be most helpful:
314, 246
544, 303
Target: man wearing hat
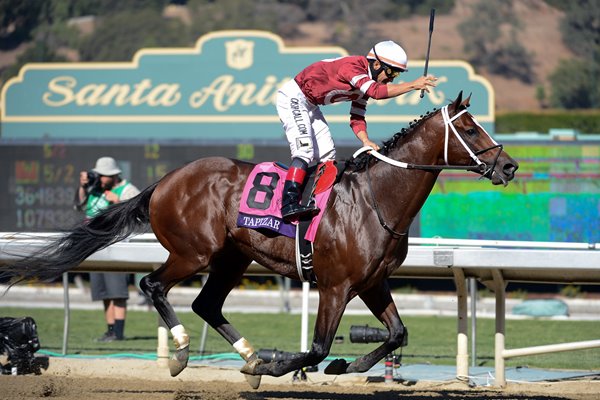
98, 191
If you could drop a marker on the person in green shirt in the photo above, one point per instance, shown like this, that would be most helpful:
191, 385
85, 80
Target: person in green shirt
97, 191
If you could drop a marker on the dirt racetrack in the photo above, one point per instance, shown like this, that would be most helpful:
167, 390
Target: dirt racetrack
92, 379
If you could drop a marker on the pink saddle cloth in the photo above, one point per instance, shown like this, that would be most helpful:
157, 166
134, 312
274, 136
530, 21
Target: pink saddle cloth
260, 206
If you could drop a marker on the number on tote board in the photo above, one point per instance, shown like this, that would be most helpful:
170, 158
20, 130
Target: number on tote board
42, 218
29, 196
59, 174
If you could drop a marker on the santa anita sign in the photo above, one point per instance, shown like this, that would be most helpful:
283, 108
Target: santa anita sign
223, 88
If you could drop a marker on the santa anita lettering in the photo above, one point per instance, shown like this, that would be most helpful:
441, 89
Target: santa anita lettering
63, 91
223, 93
226, 83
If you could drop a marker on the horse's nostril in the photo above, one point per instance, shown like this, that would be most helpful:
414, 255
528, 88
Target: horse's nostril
509, 169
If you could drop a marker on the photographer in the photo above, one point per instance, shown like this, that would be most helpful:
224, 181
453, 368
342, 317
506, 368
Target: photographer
98, 189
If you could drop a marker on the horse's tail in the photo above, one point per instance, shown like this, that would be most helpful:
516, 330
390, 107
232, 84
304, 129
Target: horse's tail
111, 225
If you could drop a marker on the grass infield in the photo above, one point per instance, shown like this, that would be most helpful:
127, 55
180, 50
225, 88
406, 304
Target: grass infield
431, 339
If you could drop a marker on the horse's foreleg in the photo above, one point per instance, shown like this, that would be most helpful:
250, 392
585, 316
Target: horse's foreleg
380, 302
332, 303
156, 285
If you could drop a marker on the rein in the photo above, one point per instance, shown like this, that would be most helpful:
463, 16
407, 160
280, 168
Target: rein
481, 167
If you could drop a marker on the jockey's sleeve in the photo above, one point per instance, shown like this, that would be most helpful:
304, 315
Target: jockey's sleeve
357, 116
359, 78
368, 87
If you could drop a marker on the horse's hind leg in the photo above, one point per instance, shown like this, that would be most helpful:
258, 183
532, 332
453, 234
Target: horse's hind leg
224, 276
156, 285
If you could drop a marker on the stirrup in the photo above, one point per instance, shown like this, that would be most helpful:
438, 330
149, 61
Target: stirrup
295, 211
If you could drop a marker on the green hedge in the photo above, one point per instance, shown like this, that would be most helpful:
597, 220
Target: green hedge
582, 121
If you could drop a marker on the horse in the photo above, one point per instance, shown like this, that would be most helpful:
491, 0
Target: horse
362, 237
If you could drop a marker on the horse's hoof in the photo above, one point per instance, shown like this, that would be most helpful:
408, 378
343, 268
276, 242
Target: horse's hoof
253, 380
249, 372
337, 367
179, 361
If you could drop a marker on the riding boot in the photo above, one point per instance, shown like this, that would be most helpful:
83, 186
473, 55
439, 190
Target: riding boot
291, 208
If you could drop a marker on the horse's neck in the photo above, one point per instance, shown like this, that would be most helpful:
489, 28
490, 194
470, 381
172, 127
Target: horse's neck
414, 186
420, 147
408, 187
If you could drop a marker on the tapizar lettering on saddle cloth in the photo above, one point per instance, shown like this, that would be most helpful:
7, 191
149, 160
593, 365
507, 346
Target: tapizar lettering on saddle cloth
260, 205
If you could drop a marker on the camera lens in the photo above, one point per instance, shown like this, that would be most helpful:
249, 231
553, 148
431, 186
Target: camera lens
94, 184
270, 355
366, 334
92, 178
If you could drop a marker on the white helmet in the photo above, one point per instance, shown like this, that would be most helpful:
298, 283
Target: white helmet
390, 53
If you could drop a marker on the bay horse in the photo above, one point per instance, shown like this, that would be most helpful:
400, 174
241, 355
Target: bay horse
361, 239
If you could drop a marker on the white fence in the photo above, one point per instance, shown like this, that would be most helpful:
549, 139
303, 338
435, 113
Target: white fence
494, 263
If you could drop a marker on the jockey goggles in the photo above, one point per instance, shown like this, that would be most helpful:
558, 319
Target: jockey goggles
390, 72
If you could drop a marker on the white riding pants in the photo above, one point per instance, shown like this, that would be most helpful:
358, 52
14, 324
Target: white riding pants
305, 126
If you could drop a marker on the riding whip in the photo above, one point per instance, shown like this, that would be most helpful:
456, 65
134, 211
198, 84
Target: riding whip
431, 18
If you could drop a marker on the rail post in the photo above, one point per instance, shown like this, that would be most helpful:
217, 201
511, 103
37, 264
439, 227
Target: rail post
462, 352
500, 291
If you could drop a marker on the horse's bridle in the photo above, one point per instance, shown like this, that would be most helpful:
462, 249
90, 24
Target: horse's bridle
482, 168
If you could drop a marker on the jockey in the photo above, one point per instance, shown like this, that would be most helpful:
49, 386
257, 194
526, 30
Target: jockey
351, 78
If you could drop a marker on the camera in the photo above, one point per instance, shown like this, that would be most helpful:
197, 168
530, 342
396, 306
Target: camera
94, 184
18, 342
366, 334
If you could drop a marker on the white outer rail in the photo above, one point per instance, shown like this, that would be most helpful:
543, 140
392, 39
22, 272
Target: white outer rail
493, 263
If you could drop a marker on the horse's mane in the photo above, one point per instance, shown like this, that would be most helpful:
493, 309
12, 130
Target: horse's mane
359, 163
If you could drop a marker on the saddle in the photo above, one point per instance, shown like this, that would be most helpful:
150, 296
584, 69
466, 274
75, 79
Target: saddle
260, 206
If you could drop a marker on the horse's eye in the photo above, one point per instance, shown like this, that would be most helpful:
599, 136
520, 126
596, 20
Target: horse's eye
472, 131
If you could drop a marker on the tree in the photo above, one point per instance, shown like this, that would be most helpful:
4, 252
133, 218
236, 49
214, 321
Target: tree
581, 28
540, 96
490, 40
120, 35
39, 52
512, 60
17, 20
423, 7
575, 85
281, 17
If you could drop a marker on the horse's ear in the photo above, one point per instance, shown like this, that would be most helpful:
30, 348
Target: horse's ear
457, 103
467, 102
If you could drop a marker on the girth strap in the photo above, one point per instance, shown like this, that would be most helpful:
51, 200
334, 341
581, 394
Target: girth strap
395, 235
